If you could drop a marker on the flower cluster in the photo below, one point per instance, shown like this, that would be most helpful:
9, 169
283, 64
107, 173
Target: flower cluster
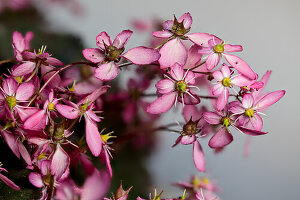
42, 101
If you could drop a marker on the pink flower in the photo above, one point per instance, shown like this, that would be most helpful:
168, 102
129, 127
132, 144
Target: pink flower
223, 136
249, 110
224, 82
174, 51
13, 94
21, 44
40, 119
109, 53
176, 87
85, 108
217, 48
33, 60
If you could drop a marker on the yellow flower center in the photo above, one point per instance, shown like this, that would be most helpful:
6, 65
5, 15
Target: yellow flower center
181, 86
226, 121
107, 136
11, 101
219, 48
249, 112
51, 106
19, 79
226, 82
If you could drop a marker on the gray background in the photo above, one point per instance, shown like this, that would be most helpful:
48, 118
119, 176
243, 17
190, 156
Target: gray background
269, 32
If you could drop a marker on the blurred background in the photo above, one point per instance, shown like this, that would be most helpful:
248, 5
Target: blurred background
268, 30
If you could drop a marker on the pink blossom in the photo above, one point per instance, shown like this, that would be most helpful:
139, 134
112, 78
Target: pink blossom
109, 53
174, 51
33, 60
176, 87
40, 119
249, 110
21, 44
217, 48
223, 136
224, 82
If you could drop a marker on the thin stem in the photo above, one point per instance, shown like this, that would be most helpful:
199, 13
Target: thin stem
51, 188
125, 64
73, 124
207, 97
198, 65
162, 44
149, 95
6, 61
36, 69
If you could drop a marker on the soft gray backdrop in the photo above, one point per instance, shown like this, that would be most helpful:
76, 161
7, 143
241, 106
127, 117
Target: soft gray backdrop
269, 32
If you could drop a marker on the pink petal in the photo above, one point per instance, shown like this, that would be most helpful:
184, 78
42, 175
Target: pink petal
54, 61
172, 52
36, 179
25, 112
92, 116
28, 37
232, 48
187, 20
103, 37
107, 71
198, 156
212, 117
240, 65
218, 89
24, 153
8, 182
10, 86
190, 78
60, 162
249, 131
68, 112
94, 55
218, 75
11, 142
165, 86
142, 55
264, 79
256, 122
25, 91
269, 99
95, 186
56, 81
241, 81
93, 138
167, 25
221, 138
191, 111
200, 39
122, 38
247, 101
27, 55
188, 139
162, 104
177, 72
162, 34
37, 121
212, 61
95, 95
236, 107
193, 58
225, 70
18, 41
23, 69
108, 162
223, 99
